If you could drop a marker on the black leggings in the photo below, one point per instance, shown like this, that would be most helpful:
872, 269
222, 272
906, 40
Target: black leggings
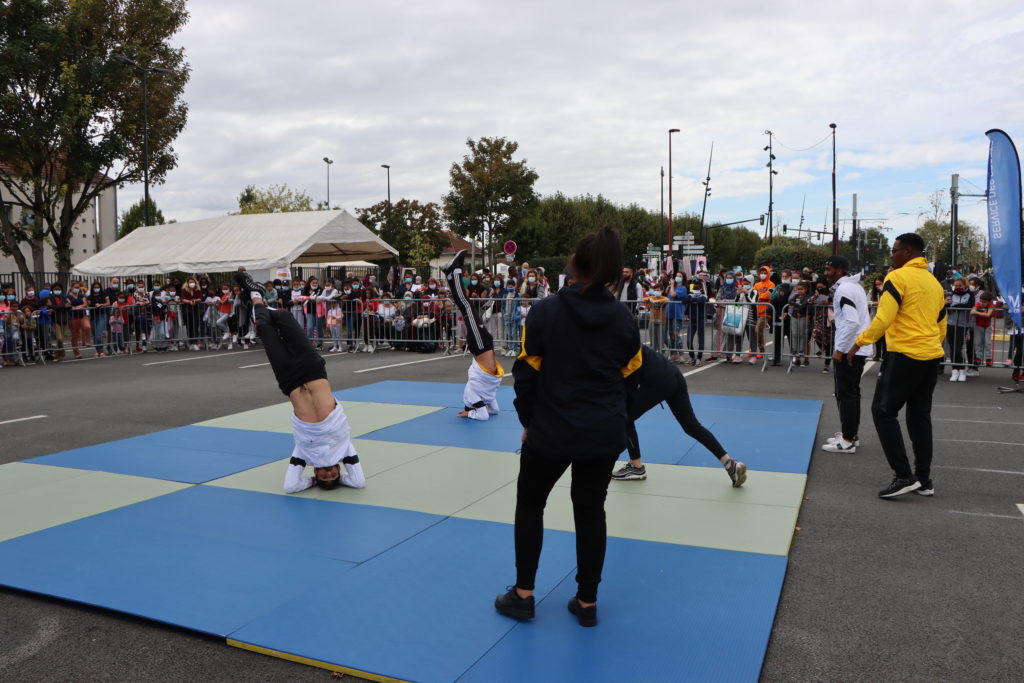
478, 339
289, 351
674, 393
537, 476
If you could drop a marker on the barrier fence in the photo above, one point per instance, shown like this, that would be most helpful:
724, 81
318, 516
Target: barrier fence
737, 332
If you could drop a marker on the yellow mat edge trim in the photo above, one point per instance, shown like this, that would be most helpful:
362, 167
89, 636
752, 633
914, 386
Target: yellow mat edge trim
313, 662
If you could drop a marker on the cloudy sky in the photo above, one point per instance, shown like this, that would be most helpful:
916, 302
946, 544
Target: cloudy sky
589, 91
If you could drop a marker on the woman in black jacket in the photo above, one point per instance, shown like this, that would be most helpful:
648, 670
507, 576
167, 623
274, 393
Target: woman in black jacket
571, 378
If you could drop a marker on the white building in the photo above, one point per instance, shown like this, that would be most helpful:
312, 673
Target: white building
95, 229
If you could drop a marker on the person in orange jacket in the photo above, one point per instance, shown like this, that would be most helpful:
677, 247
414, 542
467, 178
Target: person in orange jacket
763, 287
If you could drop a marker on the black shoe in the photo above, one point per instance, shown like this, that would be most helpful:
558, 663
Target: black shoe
927, 488
511, 605
898, 487
245, 281
586, 615
455, 263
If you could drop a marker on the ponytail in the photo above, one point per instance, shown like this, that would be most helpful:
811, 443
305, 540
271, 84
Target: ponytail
598, 258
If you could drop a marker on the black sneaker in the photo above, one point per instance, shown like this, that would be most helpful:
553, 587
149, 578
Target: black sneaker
898, 487
737, 472
245, 281
511, 605
586, 615
629, 473
455, 263
927, 488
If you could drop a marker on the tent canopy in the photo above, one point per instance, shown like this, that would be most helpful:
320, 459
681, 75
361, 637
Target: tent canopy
222, 244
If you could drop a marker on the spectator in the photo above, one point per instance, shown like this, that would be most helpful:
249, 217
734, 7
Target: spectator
763, 292
873, 296
99, 307
981, 316
139, 314
117, 322
191, 301
335, 324
631, 291
821, 305
679, 297
81, 333
60, 315
959, 303
696, 311
657, 303
797, 314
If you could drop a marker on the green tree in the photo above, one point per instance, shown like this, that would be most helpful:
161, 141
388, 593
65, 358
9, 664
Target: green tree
415, 229
790, 252
135, 215
273, 199
490, 191
71, 115
731, 246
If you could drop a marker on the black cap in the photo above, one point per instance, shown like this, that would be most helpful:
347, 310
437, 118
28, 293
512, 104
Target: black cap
838, 262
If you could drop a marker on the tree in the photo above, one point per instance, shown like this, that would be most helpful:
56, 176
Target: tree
730, 246
936, 231
416, 230
135, 215
490, 191
273, 199
790, 252
71, 115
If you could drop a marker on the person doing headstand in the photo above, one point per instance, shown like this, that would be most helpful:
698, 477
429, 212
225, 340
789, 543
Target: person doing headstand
319, 425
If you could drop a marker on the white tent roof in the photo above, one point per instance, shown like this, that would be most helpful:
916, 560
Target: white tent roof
221, 244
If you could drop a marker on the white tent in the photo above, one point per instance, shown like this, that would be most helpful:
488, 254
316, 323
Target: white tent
256, 241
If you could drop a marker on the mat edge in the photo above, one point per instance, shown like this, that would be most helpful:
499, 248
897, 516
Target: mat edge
312, 662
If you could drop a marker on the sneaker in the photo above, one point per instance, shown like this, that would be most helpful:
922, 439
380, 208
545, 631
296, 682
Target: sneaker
825, 370
839, 446
510, 604
898, 487
954, 376
245, 281
736, 360
752, 360
453, 265
927, 488
973, 372
630, 473
962, 377
839, 435
586, 615
737, 471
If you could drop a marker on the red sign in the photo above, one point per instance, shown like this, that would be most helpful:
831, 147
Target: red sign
510, 247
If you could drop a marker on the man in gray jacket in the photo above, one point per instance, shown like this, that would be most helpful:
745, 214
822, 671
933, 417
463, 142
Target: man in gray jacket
850, 306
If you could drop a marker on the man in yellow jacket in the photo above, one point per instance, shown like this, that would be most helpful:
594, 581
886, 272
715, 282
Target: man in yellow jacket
911, 314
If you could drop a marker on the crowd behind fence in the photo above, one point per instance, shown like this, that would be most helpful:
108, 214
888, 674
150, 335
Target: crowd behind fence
737, 332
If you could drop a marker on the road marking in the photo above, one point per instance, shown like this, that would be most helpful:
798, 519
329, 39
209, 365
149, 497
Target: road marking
23, 419
978, 469
1020, 506
985, 422
983, 514
953, 405
46, 633
254, 365
412, 362
700, 369
212, 355
867, 366
997, 443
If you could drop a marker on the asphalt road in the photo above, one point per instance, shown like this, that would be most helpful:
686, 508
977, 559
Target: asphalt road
904, 590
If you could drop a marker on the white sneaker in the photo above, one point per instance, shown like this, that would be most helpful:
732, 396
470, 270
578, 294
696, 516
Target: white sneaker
371, 348
840, 446
954, 376
971, 372
838, 437
962, 377
231, 345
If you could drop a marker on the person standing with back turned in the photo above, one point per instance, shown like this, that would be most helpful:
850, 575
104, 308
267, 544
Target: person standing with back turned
911, 313
572, 377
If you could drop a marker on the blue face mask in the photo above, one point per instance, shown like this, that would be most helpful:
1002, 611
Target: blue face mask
131, 286
679, 280
472, 282
729, 281
10, 297
355, 286
58, 292
531, 279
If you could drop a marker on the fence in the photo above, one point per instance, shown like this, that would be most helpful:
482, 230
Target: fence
734, 332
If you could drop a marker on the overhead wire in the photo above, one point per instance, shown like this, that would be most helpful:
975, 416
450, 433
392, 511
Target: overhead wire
793, 149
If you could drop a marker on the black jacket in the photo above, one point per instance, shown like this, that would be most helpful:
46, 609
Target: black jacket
571, 391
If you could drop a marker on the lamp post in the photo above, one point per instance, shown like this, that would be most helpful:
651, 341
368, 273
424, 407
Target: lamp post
145, 71
771, 185
662, 214
328, 162
671, 246
387, 167
835, 215
707, 193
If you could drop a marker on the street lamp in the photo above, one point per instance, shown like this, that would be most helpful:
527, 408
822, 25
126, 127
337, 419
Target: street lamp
671, 246
835, 215
388, 168
328, 162
707, 193
145, 71
771, 185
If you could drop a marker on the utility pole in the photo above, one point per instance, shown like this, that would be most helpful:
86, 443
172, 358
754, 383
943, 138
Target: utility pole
671, 246
803, 205
707, 193
954, 209
835, 211
856, 230
662, 232
771, 184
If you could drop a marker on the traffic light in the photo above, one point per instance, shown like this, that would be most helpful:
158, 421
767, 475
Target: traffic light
762, 219
784, 228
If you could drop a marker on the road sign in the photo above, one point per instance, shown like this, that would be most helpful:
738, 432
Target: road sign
510, 248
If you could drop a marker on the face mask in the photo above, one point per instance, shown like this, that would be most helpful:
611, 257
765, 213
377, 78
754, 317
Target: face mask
958, 290
58, 292
651, 292
531, 279
408, 280
225, 291
30, 292
10, 297
763, 276
115, 286
472, 282
729, 281
679, 280
795, 281
131, 286
191, 285
156, 288
974, 288
75, 290
120, 301
348, 291
355, 286
408, 296
296, 289
433, 286
95, 290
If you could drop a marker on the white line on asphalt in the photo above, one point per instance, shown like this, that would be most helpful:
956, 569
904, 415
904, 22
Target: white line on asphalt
997, 443
46, 633
412, 362
254, 365
23, 419
978, 469
983, 514
1020, 506
700, 369
867, 366
984, 422
212, 355
962, 407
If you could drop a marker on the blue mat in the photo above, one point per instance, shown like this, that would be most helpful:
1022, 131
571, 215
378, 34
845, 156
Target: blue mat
439, 394
684, 614
192, 455
422, 611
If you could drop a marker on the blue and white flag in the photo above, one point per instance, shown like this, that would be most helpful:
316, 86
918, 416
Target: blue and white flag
1004, 218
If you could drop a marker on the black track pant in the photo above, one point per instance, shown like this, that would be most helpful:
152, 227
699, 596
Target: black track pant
537, 476
289, 351
477, 338
674, 393
847, 388
905, 381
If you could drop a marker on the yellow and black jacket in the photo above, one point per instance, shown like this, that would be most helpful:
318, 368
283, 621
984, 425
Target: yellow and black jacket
578, 349
911, 313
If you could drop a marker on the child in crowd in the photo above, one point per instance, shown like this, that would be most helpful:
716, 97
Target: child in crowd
821, 305
959, 304
981, 316
116, 325
656, 302
29, 333
335, 324
798, 324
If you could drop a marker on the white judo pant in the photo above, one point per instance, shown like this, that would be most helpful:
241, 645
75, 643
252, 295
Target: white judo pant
480, 396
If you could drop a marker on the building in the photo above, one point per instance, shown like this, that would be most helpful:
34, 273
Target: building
95, 230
